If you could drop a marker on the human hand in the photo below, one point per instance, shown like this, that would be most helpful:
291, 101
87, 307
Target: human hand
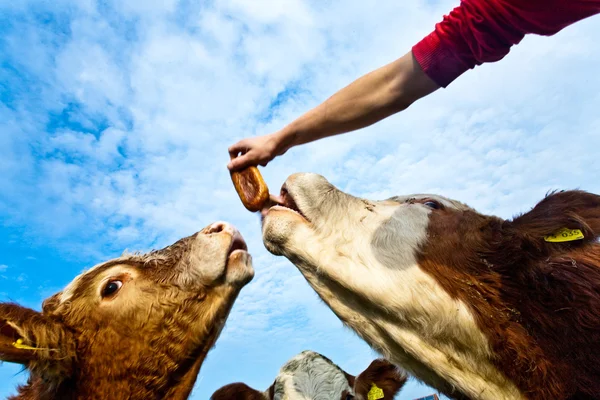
259, 150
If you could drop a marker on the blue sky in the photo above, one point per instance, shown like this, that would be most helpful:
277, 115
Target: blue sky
115, 118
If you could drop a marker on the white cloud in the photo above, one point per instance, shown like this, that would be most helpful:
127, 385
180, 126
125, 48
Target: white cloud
154, 104
3, 267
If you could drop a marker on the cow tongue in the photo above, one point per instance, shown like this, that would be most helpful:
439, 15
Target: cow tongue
273, 201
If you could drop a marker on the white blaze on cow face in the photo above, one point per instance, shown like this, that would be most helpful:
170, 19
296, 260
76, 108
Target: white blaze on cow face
360, 256
311, 376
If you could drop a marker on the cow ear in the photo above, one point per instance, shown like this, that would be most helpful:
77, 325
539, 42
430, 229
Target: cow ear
237, 391
30, 338
381, 380
271, 392
568, 218
351, 379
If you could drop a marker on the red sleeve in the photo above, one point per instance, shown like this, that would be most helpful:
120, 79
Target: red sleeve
480, 31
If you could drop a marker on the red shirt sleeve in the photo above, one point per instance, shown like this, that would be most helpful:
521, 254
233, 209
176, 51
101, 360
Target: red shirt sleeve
480, 31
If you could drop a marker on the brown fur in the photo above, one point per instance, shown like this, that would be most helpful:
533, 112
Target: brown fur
537, 302
237, 391
147, 341
386, 376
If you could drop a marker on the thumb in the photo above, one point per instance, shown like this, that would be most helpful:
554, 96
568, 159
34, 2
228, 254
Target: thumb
240, 162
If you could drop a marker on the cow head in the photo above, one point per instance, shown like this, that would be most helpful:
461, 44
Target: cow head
312, 376
137, 326
469, 303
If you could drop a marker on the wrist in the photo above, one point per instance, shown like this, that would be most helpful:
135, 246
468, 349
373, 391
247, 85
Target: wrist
285, 139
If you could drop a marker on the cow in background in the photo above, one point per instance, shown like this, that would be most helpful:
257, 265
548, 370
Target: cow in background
473, 305
310, 375
135, 327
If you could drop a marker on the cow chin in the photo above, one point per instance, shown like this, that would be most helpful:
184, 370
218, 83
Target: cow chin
239, 268
280, 229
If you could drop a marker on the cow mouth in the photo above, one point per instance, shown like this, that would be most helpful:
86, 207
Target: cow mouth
238, 268
238, 244
284, 201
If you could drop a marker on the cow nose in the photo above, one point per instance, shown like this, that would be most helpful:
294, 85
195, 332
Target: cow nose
219, 227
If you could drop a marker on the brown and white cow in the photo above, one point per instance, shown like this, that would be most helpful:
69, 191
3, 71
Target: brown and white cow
473, 305
135, 327
312, 376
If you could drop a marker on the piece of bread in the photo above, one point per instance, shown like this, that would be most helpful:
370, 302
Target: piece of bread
251, 188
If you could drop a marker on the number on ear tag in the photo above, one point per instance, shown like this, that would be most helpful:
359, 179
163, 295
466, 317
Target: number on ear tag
564, 235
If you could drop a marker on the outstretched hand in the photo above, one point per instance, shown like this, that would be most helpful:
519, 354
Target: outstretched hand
259, 150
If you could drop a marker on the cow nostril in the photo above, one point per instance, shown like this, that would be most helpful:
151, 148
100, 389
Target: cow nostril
216, 228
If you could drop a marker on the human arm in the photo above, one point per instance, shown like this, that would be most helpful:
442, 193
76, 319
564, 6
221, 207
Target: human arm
476, 32
371, 98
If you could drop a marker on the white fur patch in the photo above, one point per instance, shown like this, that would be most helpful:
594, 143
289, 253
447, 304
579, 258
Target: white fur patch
310, 376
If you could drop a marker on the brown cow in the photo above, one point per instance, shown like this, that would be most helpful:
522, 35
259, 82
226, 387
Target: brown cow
135, 327
473, 305
310, 375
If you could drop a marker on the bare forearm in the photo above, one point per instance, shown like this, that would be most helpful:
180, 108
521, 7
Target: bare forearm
369, 99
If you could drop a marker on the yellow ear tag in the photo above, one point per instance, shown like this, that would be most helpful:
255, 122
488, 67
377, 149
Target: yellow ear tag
564, 235
375, 393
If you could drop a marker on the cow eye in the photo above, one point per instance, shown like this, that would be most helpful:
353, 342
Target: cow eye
111, 288
349, 397
432, 204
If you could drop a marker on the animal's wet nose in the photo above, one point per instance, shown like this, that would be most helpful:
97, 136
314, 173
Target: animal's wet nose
219, 227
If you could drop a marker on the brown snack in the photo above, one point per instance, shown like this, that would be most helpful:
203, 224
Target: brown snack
251, 188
